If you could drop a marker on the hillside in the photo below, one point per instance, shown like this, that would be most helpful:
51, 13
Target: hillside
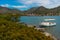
11, 29
44, 11
37, 11
8, 10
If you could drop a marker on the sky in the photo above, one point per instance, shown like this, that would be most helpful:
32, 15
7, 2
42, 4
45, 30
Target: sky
26, 4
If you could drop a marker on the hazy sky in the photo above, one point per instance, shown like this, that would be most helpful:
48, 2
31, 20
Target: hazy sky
26, 4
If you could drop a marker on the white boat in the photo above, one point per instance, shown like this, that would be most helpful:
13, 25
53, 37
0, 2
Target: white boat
47, 24
49, 19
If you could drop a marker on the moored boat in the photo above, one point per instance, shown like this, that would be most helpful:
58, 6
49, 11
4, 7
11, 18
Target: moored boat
49, 19
48, 24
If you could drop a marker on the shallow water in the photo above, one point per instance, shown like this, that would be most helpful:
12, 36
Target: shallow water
36, 20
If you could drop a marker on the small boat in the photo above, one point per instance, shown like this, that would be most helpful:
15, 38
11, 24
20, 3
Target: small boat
46, 24
49, 19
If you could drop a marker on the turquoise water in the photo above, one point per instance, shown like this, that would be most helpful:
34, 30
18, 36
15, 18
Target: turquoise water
36, 20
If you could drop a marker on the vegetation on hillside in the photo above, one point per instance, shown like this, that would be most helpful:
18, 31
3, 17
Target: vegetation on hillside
42, 11
11, 29
38, 11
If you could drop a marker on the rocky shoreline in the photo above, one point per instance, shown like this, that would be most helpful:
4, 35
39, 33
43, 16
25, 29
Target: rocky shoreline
44, 32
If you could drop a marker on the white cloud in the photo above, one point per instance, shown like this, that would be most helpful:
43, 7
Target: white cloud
42, 2
14, 6
46, 3
5, 5
19, 6
25, 1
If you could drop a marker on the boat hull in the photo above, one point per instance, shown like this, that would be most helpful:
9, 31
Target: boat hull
41, 26
47, 24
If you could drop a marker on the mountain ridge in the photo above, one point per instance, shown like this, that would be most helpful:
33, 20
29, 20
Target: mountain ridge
35, 10
45, 11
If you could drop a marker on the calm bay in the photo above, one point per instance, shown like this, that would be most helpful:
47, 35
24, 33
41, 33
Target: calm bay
36, 20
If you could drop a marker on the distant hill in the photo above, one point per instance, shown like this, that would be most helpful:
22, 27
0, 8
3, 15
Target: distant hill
42, 11
8, 10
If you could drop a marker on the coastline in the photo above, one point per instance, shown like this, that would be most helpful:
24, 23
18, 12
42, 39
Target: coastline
48, 34
44, 32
